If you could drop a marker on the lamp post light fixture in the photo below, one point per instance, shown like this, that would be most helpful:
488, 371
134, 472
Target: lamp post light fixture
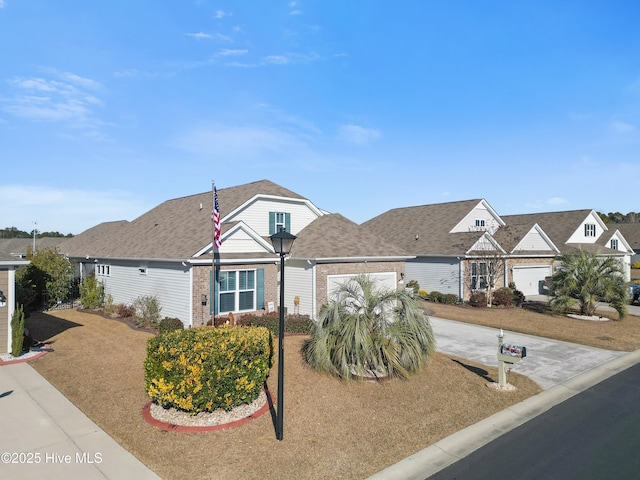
282, 242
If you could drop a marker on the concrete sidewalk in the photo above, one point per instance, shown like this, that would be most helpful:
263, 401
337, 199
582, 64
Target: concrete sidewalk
43, 435
563, 369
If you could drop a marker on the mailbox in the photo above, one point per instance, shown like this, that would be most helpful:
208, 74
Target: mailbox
517, 351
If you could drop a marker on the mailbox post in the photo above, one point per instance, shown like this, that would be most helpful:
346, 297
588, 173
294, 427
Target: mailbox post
508, 354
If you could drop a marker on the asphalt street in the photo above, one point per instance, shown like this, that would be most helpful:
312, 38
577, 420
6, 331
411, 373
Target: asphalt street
594, 435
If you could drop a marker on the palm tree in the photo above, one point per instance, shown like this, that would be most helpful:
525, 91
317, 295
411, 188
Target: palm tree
366, 331
585, 279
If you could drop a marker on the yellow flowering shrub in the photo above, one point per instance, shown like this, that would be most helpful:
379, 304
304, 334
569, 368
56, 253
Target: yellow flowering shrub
203, 369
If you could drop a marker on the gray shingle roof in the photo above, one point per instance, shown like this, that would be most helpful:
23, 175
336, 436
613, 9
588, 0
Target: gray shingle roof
334, 236
175, 229
630, 232
424, 229
19, 246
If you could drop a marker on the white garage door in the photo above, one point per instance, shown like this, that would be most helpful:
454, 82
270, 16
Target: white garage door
383, 280
527, 279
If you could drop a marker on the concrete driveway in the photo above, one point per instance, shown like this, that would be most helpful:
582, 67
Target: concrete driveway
548, 362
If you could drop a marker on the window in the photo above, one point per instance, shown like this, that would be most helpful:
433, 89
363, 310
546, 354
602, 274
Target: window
480, 222
103, 270
237, 291
279, 221
614, 243
589, 229
481, 275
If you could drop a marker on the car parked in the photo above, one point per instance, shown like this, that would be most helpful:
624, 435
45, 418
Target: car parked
634, 293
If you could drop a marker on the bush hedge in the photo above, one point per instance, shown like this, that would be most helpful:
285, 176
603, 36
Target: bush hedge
170, 324
448, 298
203, 369
293, 324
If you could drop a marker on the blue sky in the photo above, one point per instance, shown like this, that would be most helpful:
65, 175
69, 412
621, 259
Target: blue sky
108, 108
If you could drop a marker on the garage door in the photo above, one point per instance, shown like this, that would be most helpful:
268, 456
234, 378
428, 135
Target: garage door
528, 279
382, 280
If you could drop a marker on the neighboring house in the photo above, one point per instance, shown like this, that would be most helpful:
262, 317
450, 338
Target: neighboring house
631, 232
168, 252
18, 247
460, 247
8, 266
575, 230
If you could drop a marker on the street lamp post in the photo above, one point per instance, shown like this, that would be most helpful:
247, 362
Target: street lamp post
282, 242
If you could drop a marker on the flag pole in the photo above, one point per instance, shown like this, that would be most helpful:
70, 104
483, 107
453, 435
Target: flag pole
212, 289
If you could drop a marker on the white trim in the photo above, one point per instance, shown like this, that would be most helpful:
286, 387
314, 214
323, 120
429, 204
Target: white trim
262, 196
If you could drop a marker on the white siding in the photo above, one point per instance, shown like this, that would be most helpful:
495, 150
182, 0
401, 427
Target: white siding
241, 242
169, 282
468, 223
579, 237
257, 215
299, 281
533, 241
435, 274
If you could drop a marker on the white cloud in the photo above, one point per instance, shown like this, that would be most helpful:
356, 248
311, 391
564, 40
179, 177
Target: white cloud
41, 99
357, 135
221, 14
65, 210
622, 127
228, 52
2, 4
199, 35
233, 142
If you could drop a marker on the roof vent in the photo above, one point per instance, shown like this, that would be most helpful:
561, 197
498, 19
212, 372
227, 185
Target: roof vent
417, 237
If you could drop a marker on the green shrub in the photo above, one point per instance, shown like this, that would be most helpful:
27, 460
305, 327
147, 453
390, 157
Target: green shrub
478, 299
91, 293
435, 296
170, 324
203, 369
449, 298
414, 285
17, 331
146, 311
293, 324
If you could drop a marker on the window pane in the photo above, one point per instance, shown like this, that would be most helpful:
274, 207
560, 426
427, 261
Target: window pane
227, 281
246, 300
227, 302
246, 280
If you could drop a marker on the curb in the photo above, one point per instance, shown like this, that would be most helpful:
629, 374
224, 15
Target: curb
449, 450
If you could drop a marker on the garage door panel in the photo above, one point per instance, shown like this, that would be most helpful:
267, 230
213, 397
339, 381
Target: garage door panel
528, 279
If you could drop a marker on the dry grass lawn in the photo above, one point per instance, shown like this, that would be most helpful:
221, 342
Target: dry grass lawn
536, 319
331, 430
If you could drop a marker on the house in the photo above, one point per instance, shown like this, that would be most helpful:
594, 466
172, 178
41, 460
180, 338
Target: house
575, 230
169, 252
631, 232
18, 247
463, 246
8, 267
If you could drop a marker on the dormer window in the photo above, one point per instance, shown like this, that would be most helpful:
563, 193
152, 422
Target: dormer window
279, 221
589, 229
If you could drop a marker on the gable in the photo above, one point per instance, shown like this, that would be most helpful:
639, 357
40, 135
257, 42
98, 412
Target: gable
481, 218
535, 240
589, 230
256, 212
486, 243
240, 238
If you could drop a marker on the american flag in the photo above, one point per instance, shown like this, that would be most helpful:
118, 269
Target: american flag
215, 218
